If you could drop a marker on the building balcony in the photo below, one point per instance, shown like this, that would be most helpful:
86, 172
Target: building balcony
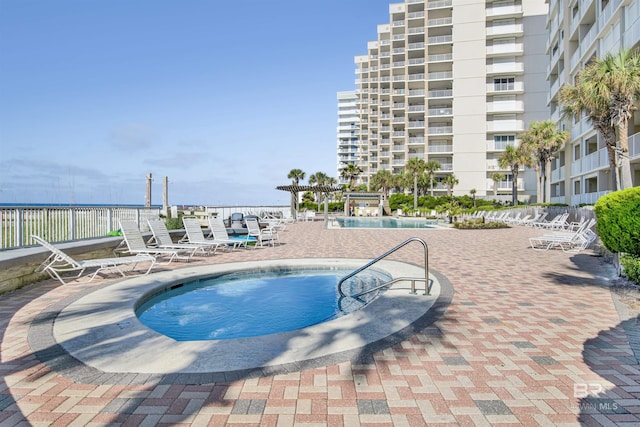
507, 49
439, 22
440, 75
439, 148
506, 11
446, 39
440, 130
505, 126
444, 93
508, 68
436, 112
441, 57
505, 107
436, 4
505, 30
505, 88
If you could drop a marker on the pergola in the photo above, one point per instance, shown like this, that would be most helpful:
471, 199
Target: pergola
294, 189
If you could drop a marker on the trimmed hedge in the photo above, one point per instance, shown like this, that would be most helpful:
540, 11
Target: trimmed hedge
618, 216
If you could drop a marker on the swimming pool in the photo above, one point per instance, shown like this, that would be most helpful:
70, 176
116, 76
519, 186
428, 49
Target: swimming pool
239, 305
386, 222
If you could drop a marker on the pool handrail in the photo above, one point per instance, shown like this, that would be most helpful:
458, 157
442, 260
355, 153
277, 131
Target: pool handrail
427, 285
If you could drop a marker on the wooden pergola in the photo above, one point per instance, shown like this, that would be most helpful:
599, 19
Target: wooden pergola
295, 189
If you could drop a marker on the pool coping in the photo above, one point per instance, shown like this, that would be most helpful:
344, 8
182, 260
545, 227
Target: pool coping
94, 335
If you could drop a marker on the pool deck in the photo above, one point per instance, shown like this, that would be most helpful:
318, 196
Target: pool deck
529, 338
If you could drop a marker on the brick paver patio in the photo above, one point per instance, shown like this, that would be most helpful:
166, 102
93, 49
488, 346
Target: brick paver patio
530, 338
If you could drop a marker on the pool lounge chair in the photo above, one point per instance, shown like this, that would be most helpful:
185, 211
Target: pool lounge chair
59, 263
219, 234
135, 244
162, 239
262, 235
195, 235
568, 241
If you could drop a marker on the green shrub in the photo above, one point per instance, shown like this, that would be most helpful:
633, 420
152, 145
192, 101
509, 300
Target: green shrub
174, 223
477, 224
631, 267
618, 216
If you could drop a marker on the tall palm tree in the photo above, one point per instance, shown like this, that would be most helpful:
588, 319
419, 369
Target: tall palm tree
583, 98
415, 166
497, 177
382, 180
543, 139
318, 179
430, 168
514, 158
295, 175
351, 172
619, 78
450, 181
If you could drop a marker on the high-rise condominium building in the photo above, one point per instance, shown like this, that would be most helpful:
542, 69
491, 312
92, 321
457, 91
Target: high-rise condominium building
348, 131
578, 31
454, 81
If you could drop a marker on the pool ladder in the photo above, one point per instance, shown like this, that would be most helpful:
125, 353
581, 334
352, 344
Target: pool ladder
425, 279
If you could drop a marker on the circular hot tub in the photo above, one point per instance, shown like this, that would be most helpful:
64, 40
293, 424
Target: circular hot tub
101, 329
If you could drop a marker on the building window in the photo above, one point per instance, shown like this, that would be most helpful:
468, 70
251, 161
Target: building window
500, 142
504, 84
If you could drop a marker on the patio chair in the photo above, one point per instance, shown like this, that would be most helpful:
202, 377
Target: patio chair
559, 222
162, 239
59, 263
262, 235
219, 234
135, 244
195, 235
568, 241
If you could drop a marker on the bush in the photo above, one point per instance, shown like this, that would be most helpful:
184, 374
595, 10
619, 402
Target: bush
618, 216
174, 223
631, 267
477, 224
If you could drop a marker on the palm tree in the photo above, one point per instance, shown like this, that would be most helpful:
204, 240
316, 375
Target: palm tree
473, 192
515, 158
583, 99
416, 167
295, 175
382, 180
450, 181
430, 168
619, 78
318, 179
543, 139
497, 177
351, 172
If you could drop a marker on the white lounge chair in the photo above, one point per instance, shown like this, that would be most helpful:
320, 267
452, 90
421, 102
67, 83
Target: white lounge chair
568, 241
59, 263
195, 235
219, 234
135, 244
559, 222
162, 239
262, 235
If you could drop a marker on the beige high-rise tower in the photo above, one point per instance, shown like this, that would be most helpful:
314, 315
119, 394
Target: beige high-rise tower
453, 81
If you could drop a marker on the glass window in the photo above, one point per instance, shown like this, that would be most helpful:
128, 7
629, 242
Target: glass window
504, 83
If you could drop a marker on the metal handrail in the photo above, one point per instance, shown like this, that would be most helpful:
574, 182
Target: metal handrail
427, 286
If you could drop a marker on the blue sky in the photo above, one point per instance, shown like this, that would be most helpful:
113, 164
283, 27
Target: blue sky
223, 97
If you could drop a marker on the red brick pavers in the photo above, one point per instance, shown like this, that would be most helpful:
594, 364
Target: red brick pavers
530, 338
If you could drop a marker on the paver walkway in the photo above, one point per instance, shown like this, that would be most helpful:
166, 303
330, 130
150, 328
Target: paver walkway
530, 338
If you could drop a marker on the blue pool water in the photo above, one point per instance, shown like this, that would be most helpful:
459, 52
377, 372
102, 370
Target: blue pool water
251, 304
365, 222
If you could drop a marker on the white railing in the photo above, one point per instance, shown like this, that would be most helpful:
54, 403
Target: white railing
58, 224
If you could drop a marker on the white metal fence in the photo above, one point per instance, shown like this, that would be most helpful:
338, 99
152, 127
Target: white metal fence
59, 224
